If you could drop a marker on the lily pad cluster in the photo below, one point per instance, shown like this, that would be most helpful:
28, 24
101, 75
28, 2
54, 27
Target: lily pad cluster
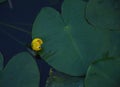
81, 43
83, 32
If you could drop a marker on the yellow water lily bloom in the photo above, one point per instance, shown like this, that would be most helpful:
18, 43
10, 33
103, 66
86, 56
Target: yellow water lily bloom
36, 44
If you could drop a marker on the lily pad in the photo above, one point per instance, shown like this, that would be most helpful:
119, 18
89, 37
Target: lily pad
114, 44
70, 43
21, 71
57, 79
104, 14
104, 73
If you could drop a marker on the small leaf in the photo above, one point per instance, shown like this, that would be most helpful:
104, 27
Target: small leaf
21, 71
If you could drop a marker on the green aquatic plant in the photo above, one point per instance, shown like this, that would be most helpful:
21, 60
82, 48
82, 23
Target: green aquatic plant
104, 73
21, 71
104, 14
81, 43
69, 40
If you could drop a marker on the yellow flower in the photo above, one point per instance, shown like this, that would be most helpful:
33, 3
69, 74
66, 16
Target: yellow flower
36, 44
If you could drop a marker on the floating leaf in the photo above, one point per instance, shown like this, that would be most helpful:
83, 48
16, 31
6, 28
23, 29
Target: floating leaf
21, 71
104, 14
70, 43
57, 79
114, 44
104, 73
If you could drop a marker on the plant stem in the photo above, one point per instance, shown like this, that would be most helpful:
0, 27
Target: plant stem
20, 42
14, 27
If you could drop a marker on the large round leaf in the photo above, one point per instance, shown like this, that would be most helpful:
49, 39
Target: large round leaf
104, 14
21, 71
104, 73
114, 44
70, 43
57, 79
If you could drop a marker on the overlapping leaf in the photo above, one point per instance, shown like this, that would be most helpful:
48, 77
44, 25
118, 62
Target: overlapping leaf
104, 73
114, 44
70, 43
104, 14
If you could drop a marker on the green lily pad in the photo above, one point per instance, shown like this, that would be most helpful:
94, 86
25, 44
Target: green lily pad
104, 73
2, 1
104, 14
114, 44
21, 71
70, 43
1, 61
57, 79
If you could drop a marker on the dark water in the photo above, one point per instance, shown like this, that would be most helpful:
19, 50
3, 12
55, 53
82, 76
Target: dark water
22, 13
